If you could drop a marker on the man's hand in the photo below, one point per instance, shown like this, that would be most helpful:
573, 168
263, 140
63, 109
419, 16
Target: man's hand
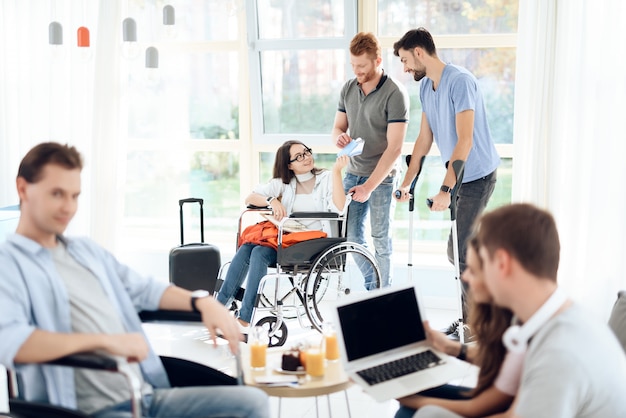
360, 193
441, 202
133, 347
43, 346
216, 317
343, 140
404, 194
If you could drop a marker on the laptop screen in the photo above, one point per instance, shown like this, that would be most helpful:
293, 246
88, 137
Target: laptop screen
381, 323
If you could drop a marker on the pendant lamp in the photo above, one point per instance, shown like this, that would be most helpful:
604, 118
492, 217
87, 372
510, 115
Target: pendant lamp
130, 49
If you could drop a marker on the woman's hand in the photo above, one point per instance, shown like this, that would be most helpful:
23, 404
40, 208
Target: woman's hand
439, 341
278, 210
414, 401
341, 163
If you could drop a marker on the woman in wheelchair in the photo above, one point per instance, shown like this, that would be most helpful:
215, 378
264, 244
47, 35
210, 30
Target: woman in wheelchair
297, 186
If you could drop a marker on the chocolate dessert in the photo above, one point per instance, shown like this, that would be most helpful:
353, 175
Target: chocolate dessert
291, 360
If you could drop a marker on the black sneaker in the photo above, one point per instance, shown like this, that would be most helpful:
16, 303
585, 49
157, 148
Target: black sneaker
452, 328
467, 334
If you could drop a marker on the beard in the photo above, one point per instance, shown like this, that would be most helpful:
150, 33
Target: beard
419, 74
367, 77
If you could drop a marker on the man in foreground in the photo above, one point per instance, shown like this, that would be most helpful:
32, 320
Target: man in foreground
574, 365
61, 296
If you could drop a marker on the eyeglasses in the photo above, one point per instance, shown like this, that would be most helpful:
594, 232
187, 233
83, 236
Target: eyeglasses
300, 157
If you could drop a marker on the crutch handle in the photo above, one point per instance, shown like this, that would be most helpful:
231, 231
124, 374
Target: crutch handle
459, 169
412, 187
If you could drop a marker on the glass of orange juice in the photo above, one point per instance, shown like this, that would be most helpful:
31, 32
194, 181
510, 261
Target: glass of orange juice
315, 358
315, 362
257, 341
330, 340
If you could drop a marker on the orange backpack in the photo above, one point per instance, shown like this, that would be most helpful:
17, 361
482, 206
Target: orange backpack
266, 233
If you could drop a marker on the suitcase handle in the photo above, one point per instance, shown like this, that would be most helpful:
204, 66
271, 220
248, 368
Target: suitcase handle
181, 202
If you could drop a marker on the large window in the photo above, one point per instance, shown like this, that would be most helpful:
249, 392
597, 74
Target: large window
240, 77
301, 72
298, 62
183, 127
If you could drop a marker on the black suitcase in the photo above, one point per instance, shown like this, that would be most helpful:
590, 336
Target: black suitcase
194, 266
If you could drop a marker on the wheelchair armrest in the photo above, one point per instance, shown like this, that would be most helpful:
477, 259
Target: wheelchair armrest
88, 361
94, 361
254, 207
325, 215
163, 315
182, 373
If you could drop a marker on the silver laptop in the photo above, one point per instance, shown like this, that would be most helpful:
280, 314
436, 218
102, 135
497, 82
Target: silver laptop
383, 344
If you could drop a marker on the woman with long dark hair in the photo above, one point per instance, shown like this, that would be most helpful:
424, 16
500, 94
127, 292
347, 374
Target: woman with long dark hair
297, 186
499, 373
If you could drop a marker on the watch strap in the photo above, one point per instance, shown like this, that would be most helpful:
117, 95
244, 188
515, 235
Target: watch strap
195, 295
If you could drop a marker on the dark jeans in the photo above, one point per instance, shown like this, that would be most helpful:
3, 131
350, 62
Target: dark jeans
471, 202
442, 392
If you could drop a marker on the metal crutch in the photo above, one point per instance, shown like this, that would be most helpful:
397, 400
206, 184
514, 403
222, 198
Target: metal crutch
459, 167
398, 195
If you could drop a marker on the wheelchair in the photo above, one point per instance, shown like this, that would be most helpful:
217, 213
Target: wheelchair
306, 274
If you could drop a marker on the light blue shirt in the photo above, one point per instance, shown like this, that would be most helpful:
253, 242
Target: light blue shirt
458, 91
33, 296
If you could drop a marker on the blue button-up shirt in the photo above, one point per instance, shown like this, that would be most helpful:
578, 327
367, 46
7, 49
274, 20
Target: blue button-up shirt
33, 296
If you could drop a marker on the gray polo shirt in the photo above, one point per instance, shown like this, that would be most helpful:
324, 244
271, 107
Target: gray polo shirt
369, 116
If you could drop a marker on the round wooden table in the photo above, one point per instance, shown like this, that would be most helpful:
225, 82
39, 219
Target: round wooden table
334, 379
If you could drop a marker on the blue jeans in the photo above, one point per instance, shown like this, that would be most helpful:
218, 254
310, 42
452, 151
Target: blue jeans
471, 202
251, 260
196, 402
380, 206
442, 392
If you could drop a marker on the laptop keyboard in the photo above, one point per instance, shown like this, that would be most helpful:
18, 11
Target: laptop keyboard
400, 367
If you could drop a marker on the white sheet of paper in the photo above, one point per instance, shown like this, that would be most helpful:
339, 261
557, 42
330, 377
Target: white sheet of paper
354, 148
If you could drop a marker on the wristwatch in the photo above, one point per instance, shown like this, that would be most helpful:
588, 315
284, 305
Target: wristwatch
269, 199
463, 353
445, 189
198, 294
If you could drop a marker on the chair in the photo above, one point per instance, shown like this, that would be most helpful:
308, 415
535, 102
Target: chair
180, 373
617, 320
306, 273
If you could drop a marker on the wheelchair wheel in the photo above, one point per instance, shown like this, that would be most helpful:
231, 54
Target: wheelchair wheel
279, 336
334, 273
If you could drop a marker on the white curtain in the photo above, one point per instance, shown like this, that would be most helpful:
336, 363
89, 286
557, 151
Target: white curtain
65, 95
569, 137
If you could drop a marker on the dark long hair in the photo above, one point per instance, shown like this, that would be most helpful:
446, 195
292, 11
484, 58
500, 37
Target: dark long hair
281, 162
488, 322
